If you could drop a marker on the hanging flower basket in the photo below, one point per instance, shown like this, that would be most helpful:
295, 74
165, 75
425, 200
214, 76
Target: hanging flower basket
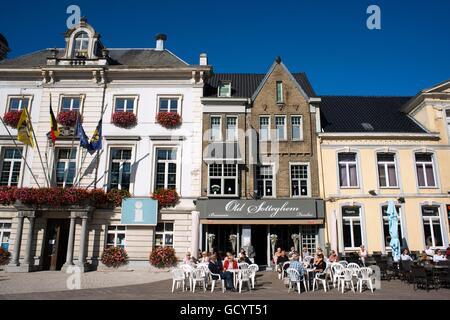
4, 256
168, 120
166, 197
68, 118
60, 197
114, 257
124, 119
11, 118
163, 257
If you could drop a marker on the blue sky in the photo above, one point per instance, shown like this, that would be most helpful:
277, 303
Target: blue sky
327, 39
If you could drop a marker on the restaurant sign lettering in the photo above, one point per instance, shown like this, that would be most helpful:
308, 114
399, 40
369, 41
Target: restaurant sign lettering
261, 209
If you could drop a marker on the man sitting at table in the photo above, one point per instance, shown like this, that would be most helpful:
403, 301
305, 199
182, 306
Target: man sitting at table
295, 264
439, 256
216, 267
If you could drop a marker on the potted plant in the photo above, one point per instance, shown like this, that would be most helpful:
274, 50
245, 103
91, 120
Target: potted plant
166, 197
124, 119
273, 242
11, 118
114, 257
233, 240
211, 238
295, 237
215, 188
163, 257
169, 120
68, 118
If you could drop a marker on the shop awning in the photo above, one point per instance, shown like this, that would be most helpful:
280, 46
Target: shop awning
264, 222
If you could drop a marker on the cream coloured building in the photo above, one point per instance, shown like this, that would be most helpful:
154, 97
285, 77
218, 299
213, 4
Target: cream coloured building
376, 149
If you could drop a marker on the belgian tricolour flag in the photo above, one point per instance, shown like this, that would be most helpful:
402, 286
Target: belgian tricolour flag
54, 130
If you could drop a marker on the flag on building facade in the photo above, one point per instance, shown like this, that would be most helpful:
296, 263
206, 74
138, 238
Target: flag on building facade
84, 141
24, 129
96, 140
54, 129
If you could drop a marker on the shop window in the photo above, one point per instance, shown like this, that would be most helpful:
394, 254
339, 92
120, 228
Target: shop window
432, 228
352, 229
264, 177
223, 179
299, 180
164, 234
116, 237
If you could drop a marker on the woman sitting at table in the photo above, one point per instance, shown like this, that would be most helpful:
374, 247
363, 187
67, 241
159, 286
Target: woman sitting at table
319, 264
205, 257
276, 255
333, 257
188, 259
405, 256
439, 256
230, 263
216, 267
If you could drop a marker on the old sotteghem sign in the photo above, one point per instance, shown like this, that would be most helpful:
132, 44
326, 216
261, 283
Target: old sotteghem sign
261, 209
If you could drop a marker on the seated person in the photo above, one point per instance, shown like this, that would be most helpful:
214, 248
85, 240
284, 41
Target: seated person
295, 264
205, 257
362, 253
276, 255
216, 267
320, 264
405, 256
188, 259
333, 257
230, 263
243, 258
292, 252
447, 252
305, 252
429, 252
439, 256
281, 260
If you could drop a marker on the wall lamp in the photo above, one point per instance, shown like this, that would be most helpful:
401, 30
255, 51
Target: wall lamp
372, 192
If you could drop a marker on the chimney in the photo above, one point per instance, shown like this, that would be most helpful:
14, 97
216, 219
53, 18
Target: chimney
160, 38
203, 59
4, 47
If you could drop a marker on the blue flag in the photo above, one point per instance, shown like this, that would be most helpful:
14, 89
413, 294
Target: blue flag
84, 141
96, 140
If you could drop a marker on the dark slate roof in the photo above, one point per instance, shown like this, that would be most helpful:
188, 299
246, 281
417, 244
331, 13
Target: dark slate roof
366, 114
243, 85
119, 58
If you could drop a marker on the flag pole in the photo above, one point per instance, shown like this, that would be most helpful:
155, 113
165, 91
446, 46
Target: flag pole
21, 154
73, 143
39, 151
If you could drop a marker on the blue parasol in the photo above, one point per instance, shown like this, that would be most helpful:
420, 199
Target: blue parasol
393, 230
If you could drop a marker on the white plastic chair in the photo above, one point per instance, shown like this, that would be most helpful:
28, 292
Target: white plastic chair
178, 278
294, 277
364, 276
338, 270
188, 270
254, 268
244, 276
283, 271
213, 281
321, 277
343, 263
199, 275
354, 267
347, 277
243, 265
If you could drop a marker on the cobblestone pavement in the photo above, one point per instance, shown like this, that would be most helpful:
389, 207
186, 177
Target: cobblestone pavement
48, 281
268, 287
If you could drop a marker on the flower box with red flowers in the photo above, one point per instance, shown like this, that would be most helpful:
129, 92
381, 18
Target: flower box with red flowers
114, 257
168, 120
68, 118
124, 119
11, 118
163, 257
166, 197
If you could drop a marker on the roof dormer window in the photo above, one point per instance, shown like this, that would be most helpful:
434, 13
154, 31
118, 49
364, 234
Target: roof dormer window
80, 45
224, 89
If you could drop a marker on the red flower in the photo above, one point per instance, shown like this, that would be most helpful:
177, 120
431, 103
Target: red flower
166, 197
124, 119
161, 257
12, 118
68, 118
168, 120
114, 257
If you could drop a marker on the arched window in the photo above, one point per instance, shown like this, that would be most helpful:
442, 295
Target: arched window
80, 44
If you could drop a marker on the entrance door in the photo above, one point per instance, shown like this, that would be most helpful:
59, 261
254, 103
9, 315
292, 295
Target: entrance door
259, 243
56, 241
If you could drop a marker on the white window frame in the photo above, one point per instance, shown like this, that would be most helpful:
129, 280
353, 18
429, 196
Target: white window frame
347, 168
2, 153
385, 168
224, 84
268, 127
66, 164
308, 183
351, 219
71, 96
274, 182
423, 164
279, 96
110, 162
135, 105
276, 128
170, 97
21, 107
212, 138
235, 135
163, 233
116, 232
300, 125
166, 166
222, 181
430, 220
3, 231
